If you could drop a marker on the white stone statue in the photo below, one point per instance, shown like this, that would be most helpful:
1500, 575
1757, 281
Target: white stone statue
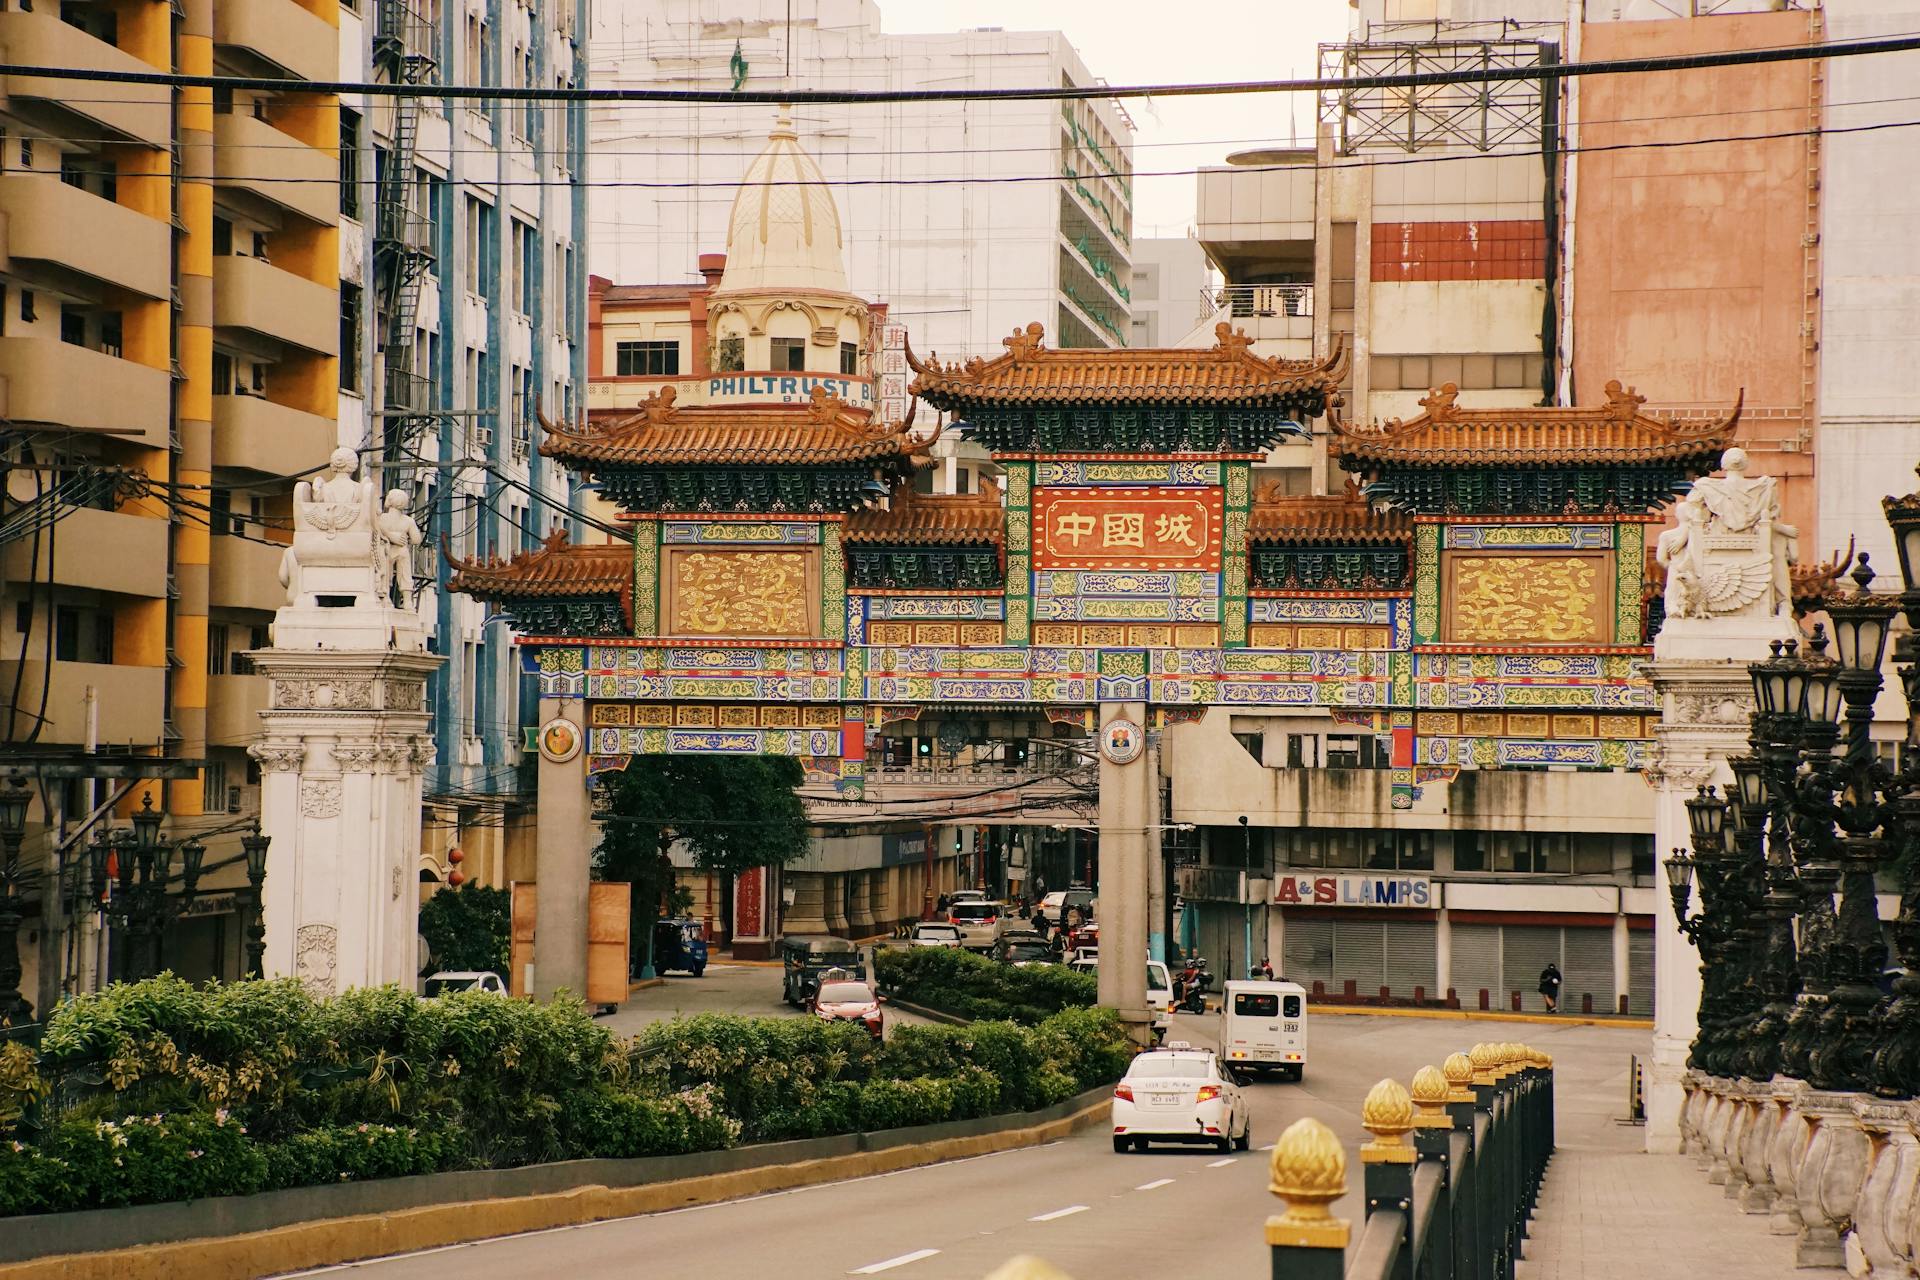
393, 551
1729, 554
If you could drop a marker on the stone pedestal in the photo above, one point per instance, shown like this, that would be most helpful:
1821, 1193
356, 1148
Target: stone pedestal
343, 747
1882, 1217
1699, 672
1828, 1180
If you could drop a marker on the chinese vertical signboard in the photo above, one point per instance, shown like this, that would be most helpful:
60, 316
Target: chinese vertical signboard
1157, 528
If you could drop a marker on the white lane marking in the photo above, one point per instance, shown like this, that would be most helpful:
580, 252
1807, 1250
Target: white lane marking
1215, 1164
1067, 1212
1270, 1146
891, 1263
1157, 1182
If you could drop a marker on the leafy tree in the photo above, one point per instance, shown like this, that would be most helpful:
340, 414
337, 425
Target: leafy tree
733, 812
468, 928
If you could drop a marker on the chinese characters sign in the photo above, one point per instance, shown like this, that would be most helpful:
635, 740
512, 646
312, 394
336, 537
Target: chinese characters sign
1126, 528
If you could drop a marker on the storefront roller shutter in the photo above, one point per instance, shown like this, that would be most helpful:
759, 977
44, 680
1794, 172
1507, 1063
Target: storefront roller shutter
1359, 956
1640, 971
1476, 964
1524, 952
1309, 951
1410, 958
1587, 969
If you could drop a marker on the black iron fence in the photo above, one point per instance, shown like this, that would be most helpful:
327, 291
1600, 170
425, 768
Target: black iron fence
1452, 1203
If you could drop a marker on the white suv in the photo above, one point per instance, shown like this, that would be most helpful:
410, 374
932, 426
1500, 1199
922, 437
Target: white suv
980, 923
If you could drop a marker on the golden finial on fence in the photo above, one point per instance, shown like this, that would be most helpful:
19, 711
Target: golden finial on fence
1486, 1064
1430, 1099
1458, 1069
1387, 1114
1309, 1172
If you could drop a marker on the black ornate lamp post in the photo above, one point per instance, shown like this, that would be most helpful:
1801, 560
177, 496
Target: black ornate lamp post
1710, 931
1843, 1058
141, 901
1896, 1059
255, 845
15, 1010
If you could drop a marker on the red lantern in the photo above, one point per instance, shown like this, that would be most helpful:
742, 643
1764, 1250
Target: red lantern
455, 856
456, 877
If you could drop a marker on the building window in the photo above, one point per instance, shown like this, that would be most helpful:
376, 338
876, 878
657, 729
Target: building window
349, 164
730, 355
849, 359
525, 246
350, 315
213, 787
217, 650
66, 634
789, 355
648, 359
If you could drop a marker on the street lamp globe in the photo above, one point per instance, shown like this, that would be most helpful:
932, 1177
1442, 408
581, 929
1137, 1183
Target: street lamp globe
146, 827
192, 853
1769, 681
1824, 702
1903, 516
1707, 818
14, 798
1750, 782
1679, 867
255, 845
1861, 621
97, 855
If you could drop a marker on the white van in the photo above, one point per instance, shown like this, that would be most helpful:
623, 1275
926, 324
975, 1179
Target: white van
1264, 1025
1159, 997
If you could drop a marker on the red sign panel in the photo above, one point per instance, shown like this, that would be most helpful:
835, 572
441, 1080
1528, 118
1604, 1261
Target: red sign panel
1127, 528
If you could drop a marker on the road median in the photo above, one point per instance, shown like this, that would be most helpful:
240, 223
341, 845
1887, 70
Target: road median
243, 1237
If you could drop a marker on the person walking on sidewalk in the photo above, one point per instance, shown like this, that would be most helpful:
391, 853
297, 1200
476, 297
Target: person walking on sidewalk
1550, 986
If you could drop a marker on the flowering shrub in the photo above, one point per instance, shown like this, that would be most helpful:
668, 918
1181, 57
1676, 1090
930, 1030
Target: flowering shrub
161, 1091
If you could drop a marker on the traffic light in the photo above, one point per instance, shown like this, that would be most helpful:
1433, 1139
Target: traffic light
957, 845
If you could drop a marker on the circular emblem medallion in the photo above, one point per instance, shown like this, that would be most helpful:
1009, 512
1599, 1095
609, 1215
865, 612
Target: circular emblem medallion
559, 740
1121, 741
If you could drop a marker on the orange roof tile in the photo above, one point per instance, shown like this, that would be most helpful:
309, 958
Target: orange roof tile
556, 568
1032, 373
1449, 435
923, 518
1320, 518
661, 433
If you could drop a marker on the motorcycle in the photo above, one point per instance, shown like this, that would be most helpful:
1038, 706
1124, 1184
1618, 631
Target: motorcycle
1187, 989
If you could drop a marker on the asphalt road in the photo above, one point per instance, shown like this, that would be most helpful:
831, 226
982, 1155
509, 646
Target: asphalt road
749, 989
1184, 1212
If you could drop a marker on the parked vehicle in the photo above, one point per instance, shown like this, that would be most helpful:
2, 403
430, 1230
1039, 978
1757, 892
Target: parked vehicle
843, 998
806, 956
980, 923
1089, 956
1087, 935
448, 981
1024, 948
1180, 1094
679, 946
968, 895
935, 933
1088, 965
1264, 1025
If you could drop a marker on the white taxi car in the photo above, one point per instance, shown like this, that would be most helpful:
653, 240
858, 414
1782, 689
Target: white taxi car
1180, 1094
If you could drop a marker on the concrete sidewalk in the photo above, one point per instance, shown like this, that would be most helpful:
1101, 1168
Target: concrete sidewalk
1608, 1209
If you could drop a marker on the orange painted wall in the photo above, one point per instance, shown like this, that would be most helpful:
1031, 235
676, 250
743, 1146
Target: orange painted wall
1689, 271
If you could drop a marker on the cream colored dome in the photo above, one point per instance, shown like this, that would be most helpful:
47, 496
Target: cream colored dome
784, 237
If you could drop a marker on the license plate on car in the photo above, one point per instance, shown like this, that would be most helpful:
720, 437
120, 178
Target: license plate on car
1164, 1099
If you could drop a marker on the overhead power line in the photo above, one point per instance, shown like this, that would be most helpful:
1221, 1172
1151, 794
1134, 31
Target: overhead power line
1100, 93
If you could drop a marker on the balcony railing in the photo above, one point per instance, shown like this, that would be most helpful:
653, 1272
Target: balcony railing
1245, 301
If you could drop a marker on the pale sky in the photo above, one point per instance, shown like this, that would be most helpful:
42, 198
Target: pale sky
1153, 42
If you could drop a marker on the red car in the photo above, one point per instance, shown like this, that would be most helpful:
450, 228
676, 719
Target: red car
850, 1002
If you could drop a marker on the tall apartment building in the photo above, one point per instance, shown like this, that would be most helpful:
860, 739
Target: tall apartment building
464, 312
169, 328
962, 264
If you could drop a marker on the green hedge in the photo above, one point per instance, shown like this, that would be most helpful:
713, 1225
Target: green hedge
162, 1090
971, 986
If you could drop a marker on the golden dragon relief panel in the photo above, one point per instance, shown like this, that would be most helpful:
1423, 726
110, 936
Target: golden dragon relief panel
1530, 599
741, 593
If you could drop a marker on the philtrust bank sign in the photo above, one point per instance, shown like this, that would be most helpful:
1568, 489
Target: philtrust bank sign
783, 388
1353, 891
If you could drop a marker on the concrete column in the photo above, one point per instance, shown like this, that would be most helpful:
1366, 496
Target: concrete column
1129, 820
1700, 675
561, 871
1442, 953
1277, 940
